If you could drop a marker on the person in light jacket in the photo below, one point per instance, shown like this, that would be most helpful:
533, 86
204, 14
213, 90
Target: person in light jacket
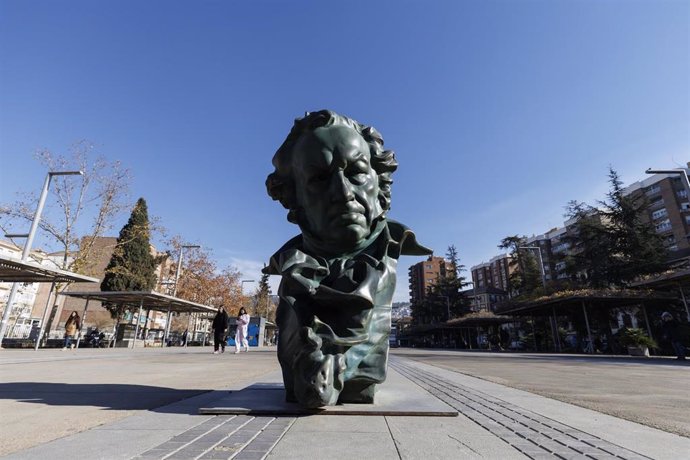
242, 322
72, 326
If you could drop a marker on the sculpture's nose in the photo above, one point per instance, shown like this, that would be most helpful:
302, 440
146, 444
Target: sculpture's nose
341, 188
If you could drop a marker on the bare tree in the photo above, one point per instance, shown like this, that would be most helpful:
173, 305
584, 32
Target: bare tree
81, 210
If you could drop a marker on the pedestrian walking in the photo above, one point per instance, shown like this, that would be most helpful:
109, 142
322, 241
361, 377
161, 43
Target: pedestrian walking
220, 325
242, 322
72, 327
673, 334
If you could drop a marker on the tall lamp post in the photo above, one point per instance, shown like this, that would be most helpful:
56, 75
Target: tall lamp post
242, 286
684, 174
268, 303
177, 279
29, 242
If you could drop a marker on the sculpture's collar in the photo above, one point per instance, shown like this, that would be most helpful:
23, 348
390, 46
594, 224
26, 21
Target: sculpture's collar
399, 240
315, 246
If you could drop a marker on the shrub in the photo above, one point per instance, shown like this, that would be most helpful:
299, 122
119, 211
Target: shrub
630, 337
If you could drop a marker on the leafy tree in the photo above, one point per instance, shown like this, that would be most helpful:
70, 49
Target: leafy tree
525, 273
613, 244
262, 298
132, 266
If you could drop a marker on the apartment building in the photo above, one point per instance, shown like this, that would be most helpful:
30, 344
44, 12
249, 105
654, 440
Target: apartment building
485, 298
668, 213
495, 273
669, 210
423, 275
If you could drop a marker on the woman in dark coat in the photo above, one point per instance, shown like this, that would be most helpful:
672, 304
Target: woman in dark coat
220, 325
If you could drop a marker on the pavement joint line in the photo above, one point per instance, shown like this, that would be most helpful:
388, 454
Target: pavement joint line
395, 443
215, 425
240, 427
479, 406
190, 443
250, 440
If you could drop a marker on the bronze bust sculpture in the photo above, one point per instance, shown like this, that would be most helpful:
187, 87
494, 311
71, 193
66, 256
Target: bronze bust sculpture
338, 276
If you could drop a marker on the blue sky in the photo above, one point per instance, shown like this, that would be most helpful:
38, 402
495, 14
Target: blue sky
500, 112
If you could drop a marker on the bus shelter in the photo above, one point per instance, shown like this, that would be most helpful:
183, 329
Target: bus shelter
144, 300
17, 271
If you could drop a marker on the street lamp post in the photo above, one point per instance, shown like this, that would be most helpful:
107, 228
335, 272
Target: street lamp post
683, 173
268, 303
29, 241
242, 284
242, 288
177, 279
680, 171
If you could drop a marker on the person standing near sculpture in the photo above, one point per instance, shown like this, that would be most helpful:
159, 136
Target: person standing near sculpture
242, 323
673, 334
219, 325
72, 327
338, 276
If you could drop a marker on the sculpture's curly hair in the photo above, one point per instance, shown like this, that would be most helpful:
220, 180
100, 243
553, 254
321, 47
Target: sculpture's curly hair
280, 183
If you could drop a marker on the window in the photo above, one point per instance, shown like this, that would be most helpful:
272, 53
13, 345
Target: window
652, 189
659, 213
682, 193
656, 201
663, 226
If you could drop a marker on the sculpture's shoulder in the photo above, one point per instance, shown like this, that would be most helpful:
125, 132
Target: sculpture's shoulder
274, 263
407, 240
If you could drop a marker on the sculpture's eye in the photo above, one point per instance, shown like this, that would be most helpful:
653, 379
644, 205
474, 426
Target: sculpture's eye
357, 172
319, 178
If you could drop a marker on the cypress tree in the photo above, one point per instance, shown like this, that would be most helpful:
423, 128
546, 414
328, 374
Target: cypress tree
132, 266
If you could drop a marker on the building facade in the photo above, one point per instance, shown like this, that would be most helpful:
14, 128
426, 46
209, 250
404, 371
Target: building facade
423, 275
495, 273
669, 209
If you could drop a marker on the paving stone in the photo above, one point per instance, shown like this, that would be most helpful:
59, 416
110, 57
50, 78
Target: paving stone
250, 455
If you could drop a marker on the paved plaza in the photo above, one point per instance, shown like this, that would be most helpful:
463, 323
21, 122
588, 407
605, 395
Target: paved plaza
144, 404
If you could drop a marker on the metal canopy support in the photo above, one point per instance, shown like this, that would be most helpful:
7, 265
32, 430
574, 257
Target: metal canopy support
44, 319
589, 332
555, 322
136, 329
685, 302
553, 332
146, 326
189, 320
167, 328
83, 320
646, 320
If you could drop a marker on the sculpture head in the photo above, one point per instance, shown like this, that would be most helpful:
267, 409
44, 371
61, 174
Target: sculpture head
334, 177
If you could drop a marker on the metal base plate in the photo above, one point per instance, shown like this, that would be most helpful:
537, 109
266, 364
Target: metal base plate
397, 396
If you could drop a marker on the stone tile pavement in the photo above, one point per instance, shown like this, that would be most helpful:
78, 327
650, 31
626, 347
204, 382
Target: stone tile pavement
495, 422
